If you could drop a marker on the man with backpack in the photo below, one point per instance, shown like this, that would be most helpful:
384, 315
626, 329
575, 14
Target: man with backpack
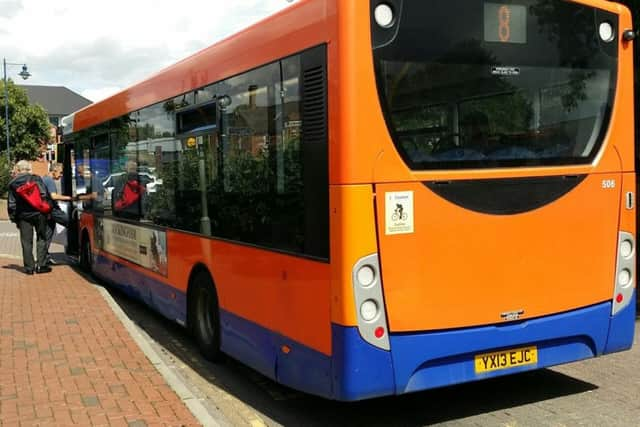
29, 208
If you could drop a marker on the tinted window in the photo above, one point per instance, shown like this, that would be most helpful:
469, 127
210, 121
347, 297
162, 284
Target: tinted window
197, 118
90, 163
523, 83
241, 169
100, 165
155, 153
124, 161
260, 181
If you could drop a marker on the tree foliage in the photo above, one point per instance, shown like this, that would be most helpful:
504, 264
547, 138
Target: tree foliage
28, 125
5, 176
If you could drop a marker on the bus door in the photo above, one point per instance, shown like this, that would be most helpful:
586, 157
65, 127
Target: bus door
68, 156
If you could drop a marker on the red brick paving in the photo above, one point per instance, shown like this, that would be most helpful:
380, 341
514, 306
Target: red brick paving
66, 359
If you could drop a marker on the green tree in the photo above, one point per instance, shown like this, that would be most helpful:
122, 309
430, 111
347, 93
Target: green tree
28, 125
5, 176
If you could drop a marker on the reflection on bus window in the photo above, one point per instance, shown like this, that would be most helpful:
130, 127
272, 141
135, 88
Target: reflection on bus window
541, 99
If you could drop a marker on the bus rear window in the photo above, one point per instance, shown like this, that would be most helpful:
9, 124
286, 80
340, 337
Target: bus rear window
520, 84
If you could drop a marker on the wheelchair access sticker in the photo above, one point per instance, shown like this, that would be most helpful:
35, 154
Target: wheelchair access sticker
399, 212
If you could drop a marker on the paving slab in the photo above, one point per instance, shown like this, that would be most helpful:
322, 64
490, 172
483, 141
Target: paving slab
67, 359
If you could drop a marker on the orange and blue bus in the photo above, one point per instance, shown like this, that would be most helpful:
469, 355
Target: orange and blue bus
376, 197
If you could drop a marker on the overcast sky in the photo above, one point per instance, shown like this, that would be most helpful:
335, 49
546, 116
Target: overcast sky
97, 48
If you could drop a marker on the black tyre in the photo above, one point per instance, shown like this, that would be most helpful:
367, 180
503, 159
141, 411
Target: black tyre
86, 257
204, 316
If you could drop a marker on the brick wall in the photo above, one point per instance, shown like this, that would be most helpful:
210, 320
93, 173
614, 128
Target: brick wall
40, 167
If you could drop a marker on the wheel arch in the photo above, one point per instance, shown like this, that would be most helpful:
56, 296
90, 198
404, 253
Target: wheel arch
195, 270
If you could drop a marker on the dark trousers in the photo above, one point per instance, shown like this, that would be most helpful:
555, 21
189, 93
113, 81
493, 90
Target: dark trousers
51, 229
27, 227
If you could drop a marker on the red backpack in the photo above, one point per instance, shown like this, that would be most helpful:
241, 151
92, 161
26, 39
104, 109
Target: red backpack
130, 194
30, 192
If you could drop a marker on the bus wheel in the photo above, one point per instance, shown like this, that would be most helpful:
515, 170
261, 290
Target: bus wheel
86, 255
204, 316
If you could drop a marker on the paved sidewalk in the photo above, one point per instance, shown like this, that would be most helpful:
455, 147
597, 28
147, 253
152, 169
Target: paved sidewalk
66, 358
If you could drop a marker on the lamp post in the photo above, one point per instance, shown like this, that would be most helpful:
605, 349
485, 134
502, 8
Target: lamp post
25, 75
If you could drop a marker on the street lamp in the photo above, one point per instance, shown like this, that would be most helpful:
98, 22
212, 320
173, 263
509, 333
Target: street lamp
25, 74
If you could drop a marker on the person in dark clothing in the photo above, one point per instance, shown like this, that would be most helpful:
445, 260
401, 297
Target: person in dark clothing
28, 218
57, 215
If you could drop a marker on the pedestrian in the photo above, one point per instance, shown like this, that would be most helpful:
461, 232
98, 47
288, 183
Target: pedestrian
58, 216
28, 208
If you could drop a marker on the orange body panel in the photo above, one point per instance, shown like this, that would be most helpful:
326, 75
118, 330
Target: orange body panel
461, 268
353, 227
628, 216
268, 288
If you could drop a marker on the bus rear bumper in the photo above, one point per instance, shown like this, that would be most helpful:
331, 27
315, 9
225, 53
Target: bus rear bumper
437, 359
420, 361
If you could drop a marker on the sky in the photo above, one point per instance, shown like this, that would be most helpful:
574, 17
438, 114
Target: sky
97, 48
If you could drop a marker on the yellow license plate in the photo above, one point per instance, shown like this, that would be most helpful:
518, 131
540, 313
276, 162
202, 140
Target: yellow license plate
506, 359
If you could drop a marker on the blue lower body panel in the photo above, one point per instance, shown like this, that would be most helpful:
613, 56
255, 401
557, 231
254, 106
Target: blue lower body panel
301, 367
166, 300
417, 361
420, 361
442, 358
360, 370
621, 330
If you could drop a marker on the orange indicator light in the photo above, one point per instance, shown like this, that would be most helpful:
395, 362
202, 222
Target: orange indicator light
504, 17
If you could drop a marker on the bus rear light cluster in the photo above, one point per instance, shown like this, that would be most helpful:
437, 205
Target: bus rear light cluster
367, 290
366, 276
625, 272
369, 310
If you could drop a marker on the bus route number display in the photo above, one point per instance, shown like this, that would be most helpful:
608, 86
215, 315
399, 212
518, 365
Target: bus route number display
505, 23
